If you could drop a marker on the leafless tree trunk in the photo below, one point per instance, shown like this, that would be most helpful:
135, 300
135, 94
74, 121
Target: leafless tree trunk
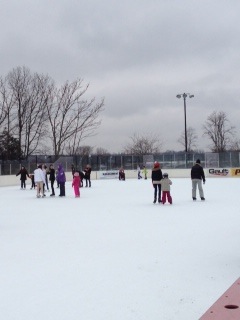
29, 96
37, 117
3, 102
191, 139
6, 116
71, 118
219, 131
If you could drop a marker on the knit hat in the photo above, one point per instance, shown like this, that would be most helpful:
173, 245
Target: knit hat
156, 164
198, 161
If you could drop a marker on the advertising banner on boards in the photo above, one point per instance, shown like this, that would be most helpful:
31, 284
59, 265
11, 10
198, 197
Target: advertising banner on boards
112, 174
219, 172
235, 172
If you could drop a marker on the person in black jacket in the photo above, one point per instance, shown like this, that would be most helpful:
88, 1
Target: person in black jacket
52, 178
197, 176
156, 178
82, 176
87, 175
23, 176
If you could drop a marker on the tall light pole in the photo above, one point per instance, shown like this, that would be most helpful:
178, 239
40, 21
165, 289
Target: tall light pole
184, 96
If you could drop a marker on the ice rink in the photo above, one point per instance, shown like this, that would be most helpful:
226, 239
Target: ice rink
114, 255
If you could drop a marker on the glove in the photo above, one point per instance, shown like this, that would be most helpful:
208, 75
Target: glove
204, 181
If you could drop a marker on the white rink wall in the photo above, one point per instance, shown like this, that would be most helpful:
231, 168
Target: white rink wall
12, 180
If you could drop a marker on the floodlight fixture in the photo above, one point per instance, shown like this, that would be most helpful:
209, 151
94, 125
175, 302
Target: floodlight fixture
185, 95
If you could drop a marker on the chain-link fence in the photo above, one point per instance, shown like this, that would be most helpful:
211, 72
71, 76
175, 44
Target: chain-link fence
128, 162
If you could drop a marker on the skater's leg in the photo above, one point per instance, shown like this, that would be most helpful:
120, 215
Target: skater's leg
62, 189
163, 197
194, 188
159, 193
38, 189
169, 198
41, 189
200, 188
52, 187
155, 193
75, 190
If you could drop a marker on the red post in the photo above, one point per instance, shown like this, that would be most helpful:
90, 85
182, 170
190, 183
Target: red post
227, 306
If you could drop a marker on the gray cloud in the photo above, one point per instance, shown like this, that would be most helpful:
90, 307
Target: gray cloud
136, 54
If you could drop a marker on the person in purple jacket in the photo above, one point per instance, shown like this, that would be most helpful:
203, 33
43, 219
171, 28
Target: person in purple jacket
61, 178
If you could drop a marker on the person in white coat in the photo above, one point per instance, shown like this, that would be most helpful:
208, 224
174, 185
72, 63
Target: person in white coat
40, 179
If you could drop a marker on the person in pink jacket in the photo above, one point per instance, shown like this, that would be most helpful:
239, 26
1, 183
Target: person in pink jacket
76, 184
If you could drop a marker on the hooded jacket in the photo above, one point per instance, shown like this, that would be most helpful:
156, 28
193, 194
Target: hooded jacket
61, 178
76, 180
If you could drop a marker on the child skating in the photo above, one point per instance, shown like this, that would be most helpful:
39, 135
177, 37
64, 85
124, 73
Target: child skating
76, 184
165, 183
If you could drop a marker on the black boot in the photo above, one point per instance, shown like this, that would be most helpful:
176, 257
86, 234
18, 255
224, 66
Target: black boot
154, 201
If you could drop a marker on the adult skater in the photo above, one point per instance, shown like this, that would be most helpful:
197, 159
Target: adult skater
121, 174
39, 180
61, 178
197, 176
139, 172
52, 178
87, 175
156, 178
23, 176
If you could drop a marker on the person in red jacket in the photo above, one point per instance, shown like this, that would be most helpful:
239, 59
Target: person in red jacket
76, 184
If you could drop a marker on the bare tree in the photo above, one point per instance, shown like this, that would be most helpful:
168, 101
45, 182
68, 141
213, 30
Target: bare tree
3, 102
6, 117
143, 144
191, 139
219, 131
27, 97
71, 118
102, 151
235, 145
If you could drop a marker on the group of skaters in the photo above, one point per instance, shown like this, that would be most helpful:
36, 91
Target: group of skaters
161, 182
42, 175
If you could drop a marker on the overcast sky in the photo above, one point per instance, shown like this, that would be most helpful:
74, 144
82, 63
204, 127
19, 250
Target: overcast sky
138, 55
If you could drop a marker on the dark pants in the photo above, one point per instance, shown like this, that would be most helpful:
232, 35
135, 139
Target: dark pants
23, 184
33, 183
88, 180
157, 189
52, 187
62, 189
47, 183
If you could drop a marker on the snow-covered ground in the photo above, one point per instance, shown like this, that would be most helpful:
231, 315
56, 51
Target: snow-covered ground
114, 255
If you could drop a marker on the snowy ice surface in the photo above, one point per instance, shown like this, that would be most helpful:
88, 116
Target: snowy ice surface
114, 255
